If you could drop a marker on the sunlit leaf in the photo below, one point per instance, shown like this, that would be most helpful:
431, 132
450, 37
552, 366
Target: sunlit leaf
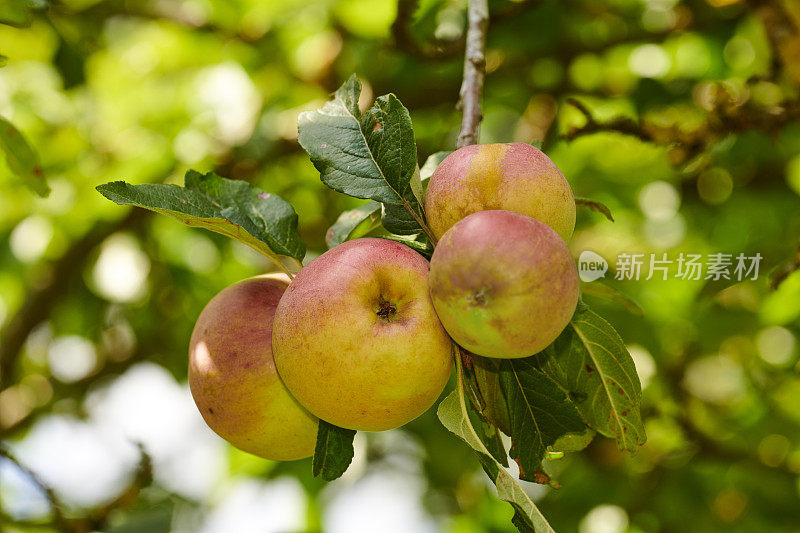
421, 246
233, 208
590, 361
354, 224
433, 161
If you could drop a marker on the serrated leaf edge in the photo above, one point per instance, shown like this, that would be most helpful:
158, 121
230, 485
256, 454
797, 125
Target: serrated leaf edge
604, 379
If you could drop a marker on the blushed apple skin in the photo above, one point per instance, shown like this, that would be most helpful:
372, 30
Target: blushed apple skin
232, 373
343, 361
512, 177
503, 284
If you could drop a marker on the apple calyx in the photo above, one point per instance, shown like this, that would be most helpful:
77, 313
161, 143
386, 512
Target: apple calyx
386, 310
479, 297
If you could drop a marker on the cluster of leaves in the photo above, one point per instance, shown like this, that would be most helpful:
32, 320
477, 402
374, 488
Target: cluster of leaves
548, 404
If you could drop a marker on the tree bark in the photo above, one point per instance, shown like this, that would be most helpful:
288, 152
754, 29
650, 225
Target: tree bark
474, 73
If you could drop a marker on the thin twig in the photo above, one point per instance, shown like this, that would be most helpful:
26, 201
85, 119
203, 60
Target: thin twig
783, 271
474, 73
620, 125
725, 117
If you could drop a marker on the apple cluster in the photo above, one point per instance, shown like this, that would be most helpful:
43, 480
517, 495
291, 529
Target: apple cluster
362, 337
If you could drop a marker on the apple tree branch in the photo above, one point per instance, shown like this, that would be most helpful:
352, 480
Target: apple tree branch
474, 73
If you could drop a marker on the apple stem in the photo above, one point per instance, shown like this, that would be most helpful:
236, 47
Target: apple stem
474, 73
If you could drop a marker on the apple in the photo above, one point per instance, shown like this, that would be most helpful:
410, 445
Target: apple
503, 284
232, 373
513, 176
356, 338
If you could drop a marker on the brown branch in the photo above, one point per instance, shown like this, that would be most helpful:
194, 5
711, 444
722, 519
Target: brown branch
726, 116
622, 125
474, 73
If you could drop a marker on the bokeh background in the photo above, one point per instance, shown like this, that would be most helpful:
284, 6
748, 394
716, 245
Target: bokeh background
686, 126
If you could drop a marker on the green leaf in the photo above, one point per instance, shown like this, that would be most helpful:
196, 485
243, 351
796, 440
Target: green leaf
573, 442
333, 452
372, 157
433, 161
16, 13
423, 247
527, 517
595, 206
399, 221
453, 414
233, 208
487, 378
354, 224
21, 158
489, 435
598, 289
590, 361
486, 429
539, 413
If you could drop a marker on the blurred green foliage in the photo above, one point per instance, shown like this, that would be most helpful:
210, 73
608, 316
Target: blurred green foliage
688, 128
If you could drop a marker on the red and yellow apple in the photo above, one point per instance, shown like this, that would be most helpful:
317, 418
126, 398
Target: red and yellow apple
356, 338
503, 284
232, 373
513, 177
